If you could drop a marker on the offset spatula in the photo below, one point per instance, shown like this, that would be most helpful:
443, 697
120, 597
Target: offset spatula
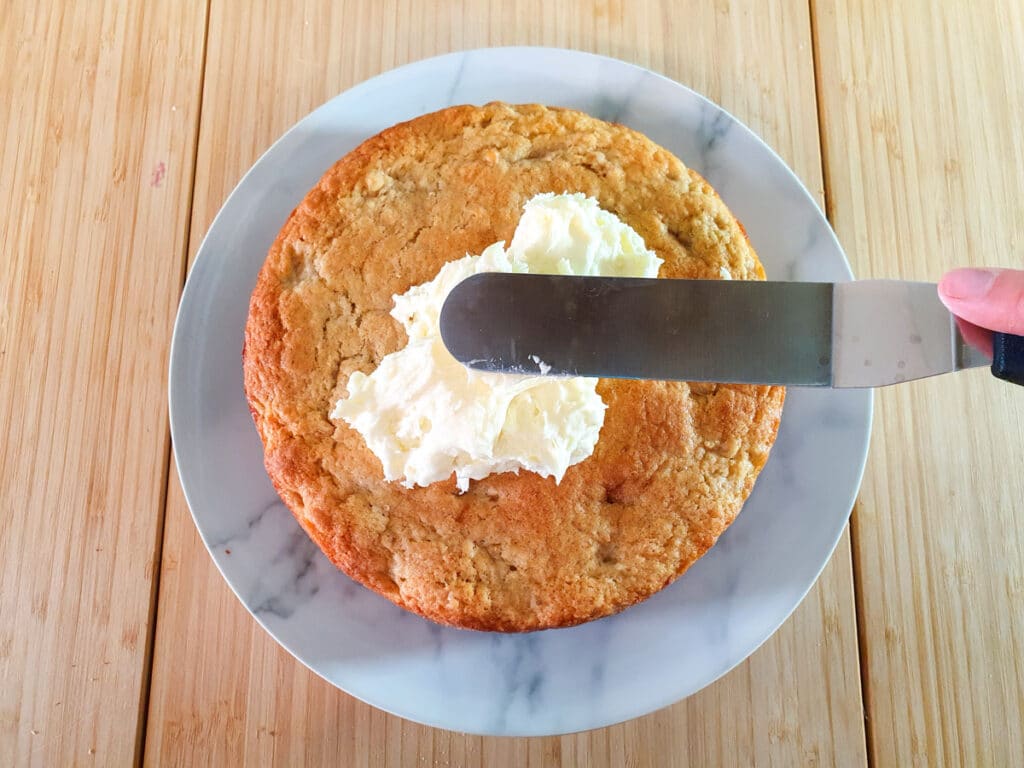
866, 333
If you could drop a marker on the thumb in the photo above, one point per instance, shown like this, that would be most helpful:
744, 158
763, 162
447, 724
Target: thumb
989, 298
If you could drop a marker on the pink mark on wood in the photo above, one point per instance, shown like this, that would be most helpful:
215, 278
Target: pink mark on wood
157, 177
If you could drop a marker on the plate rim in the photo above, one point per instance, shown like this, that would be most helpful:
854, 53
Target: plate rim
202, 257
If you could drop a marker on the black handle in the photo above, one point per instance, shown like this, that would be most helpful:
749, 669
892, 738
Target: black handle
1008, 357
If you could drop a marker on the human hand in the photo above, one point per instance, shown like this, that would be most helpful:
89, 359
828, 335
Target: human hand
984, 300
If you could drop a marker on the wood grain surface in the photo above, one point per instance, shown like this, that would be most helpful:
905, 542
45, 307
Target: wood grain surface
921, 106
125, 127
221, 687
98, 103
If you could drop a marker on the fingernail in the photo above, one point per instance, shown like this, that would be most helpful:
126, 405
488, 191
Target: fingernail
968, 283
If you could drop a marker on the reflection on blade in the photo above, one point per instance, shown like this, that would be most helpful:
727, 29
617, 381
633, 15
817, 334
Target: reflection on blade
890, 331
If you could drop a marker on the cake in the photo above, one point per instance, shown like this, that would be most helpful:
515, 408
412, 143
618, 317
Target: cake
673, 464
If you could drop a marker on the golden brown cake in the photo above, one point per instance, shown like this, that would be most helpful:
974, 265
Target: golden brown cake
674, 462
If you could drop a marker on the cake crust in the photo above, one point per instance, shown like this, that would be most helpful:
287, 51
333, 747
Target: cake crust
674, 462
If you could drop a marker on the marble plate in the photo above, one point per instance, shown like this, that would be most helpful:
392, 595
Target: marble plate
545, 682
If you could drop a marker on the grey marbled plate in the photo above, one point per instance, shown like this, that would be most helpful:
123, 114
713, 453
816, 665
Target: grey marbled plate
546, 682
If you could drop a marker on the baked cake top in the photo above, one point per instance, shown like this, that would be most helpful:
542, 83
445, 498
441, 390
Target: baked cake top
674, 461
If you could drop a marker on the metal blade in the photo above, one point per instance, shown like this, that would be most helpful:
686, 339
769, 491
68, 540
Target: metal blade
693, 330
889, 331
858, 334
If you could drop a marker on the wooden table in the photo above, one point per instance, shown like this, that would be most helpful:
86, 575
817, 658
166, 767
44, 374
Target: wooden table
127, 124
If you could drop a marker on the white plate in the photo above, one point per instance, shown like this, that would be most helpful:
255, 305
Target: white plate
545, 682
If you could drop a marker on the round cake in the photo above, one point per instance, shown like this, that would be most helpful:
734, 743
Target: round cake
673, 464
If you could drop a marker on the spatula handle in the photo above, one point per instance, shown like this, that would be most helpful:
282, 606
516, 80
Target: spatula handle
1008, 357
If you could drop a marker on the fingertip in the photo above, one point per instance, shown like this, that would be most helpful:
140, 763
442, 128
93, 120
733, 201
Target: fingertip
944, 296
967, 284
948, 296
988, 298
